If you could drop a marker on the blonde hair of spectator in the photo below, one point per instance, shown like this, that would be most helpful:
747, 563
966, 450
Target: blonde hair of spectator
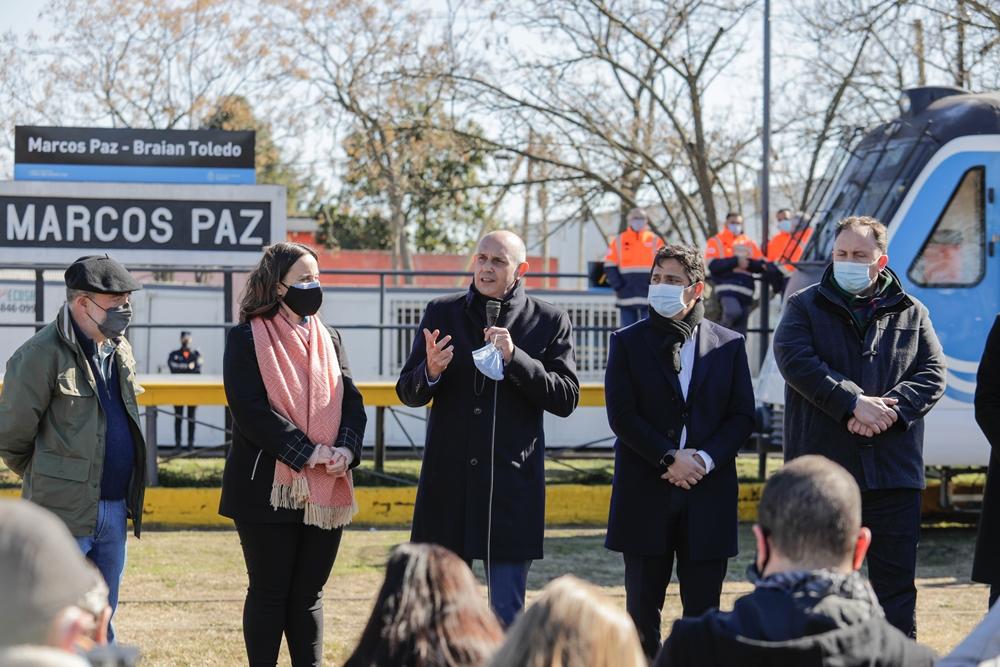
571, 624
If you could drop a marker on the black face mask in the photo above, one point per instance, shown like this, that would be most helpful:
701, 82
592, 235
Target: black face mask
304, 299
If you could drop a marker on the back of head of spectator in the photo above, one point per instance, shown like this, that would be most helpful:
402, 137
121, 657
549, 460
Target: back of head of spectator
51, 595
571, 625
810, 606
809, 518
429, 613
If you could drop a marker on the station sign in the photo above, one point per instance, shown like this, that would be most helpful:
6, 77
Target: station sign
133, 155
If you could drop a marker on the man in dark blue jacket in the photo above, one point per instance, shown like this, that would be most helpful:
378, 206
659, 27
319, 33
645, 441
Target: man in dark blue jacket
863, 366
680, 400
810, 607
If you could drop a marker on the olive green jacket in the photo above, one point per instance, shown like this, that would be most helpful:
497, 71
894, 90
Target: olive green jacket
52, 425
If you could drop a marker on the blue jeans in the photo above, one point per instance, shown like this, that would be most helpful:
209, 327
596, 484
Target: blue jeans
631, 314
508, 582
106, 548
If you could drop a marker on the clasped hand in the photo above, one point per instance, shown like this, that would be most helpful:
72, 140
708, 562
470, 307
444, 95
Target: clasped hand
686, 470
872, 415
336, 460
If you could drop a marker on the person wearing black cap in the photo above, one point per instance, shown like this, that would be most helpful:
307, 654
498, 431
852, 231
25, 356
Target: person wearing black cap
184, 360
69, 419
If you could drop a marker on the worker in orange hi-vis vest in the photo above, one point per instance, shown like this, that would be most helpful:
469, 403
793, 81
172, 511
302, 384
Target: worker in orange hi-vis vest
785, 247
732, 259
627, 266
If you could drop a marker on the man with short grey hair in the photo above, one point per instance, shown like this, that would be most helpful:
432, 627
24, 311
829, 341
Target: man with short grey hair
69, 417
810, 606
626, 266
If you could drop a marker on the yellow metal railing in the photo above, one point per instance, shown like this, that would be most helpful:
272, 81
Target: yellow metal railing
208, 390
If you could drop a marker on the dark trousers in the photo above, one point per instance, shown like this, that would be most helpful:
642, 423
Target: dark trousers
994, 594
734, 314
178, 419
647, 577
893, 515
288, 565
631, 314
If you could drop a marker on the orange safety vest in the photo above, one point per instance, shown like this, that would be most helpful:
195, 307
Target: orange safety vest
787, 247
633, 252
721, 246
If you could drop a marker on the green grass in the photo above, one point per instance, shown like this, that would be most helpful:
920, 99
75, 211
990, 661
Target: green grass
182, 595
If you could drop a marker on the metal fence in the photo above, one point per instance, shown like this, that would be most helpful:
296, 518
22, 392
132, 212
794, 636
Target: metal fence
591, 328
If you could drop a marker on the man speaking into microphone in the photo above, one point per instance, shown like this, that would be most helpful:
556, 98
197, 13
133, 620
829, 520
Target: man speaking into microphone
492, 374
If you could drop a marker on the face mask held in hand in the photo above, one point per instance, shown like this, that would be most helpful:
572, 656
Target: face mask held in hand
489, 361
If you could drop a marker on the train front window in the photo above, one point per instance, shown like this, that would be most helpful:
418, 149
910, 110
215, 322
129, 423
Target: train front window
954, 254
872, 184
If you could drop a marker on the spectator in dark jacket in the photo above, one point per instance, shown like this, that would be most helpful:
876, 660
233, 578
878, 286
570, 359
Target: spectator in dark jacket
986, 566
863, 366
810, 606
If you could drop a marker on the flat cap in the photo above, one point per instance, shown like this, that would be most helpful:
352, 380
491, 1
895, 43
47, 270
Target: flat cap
41, 572
101, 274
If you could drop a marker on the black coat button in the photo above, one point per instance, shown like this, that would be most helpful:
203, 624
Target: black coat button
671, 434
477, 411
474, 462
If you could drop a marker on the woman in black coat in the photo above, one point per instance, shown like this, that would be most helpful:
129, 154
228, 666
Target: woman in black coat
986, 566
289, 553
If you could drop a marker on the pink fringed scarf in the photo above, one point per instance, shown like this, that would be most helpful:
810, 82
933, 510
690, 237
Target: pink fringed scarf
301, 373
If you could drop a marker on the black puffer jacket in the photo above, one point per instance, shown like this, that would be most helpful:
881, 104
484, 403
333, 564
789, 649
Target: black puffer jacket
795, 627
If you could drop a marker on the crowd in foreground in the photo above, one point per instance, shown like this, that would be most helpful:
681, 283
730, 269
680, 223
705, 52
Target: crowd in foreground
810, 605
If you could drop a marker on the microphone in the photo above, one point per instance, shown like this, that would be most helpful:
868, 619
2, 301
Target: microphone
492, 312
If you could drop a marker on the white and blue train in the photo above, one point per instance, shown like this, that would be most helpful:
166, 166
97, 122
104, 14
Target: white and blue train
932, 175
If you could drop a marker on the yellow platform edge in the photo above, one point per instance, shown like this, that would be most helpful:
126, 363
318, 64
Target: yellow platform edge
566, 505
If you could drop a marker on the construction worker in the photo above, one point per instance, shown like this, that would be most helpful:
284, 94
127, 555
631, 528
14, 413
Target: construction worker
732, 259
787, 245
627, 265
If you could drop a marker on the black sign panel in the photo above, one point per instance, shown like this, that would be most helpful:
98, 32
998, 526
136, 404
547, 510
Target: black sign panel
135, 224
107, 146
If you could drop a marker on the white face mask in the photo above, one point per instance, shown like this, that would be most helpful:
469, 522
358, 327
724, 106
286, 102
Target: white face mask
852, 276
735, 228
637, 224
667, 300
786, 225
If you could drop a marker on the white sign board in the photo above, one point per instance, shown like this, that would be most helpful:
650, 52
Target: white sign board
162, 224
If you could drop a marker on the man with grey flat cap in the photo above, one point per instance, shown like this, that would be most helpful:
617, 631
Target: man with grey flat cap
69, 419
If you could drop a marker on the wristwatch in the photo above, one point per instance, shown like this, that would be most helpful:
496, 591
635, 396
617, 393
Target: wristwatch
668, 459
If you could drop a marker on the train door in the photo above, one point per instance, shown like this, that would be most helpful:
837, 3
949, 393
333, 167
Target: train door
944, 247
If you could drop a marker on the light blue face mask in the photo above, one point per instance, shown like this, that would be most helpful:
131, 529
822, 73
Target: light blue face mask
667, 300
489, 360
852, 276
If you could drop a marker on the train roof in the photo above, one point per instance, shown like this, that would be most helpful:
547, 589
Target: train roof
943, 113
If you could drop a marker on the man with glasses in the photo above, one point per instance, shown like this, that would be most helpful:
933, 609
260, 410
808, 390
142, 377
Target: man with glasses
69, 419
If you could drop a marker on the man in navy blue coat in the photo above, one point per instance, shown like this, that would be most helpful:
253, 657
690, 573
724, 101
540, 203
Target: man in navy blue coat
680, 400
483, 508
